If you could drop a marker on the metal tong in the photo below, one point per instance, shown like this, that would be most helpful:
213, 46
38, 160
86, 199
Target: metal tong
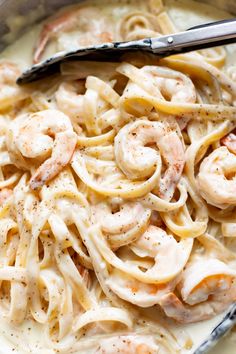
199, 37
225, 325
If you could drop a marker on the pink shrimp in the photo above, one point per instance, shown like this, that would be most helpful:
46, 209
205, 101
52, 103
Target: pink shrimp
130, 344
137, 159
87, 18
207, 288
32, 136
230, 142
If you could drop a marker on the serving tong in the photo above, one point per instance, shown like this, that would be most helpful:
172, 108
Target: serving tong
198, 37
225, 325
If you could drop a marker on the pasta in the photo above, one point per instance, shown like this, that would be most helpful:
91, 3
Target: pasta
117, 191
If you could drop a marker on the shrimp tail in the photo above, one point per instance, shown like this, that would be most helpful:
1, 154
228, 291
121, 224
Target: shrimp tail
43, 40
50, 30
62, 153
174, 308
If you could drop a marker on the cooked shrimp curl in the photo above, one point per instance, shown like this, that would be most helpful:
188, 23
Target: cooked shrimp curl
136, 292
31, 136
173, 85
130, 344
204, 278
118, 221
208, 287
169, 256
136, 154
216, 178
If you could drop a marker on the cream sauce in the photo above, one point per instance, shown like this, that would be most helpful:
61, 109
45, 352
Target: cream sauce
185, 14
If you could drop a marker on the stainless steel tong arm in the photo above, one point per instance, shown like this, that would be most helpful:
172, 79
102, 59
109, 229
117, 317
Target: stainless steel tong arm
199, 37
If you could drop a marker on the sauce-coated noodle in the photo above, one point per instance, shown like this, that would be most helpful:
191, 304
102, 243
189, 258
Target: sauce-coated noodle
117, 189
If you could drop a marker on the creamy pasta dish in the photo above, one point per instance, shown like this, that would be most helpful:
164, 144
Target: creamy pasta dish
117, 188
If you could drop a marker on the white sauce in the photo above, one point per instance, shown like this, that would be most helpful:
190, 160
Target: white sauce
185, 14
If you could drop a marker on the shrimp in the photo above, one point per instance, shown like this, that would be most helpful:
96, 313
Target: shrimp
154, 241
88, 19
161, 82
155, 252
33, 138
10, 91
123, 220
204, 278
216, 179
157, 244
207, 286
128, 344
137, 159
5, 193
122, 223
137, 292
230, 142
173, 85
70, 101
